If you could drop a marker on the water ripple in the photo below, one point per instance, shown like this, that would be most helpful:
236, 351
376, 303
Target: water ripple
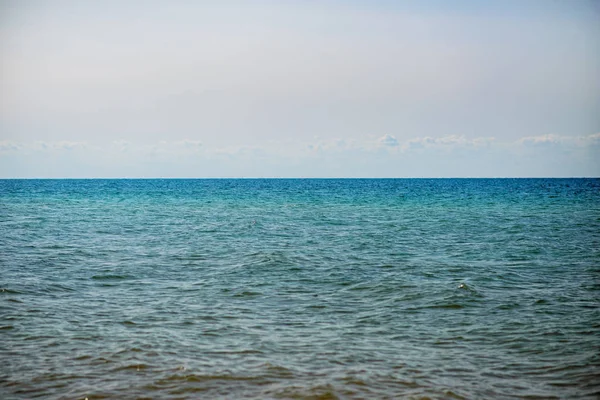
306, 289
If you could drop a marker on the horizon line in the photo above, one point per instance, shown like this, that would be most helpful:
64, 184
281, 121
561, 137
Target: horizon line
296, 178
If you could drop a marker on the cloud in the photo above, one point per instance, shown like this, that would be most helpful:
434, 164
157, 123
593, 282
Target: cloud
447, 142
559, 140
62, 145
589, 140
419, 143
41, 145
162, 148
122, 145
449, 155
177, 146
69, 145
9, 146
333, 145
543, 140
388, 140
190, 144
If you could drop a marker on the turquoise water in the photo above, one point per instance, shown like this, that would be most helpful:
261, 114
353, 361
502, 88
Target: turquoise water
316, 289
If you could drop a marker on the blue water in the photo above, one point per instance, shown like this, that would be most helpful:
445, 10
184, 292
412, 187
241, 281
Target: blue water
300, 289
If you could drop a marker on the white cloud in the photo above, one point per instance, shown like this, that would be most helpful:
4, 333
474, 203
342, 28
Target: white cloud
9, 146
69, 145
589, 140
447, 142
41, 145
388, 140
543, 140
560, 140
190, 144
426, 156
61, 145
333, 145
122, 145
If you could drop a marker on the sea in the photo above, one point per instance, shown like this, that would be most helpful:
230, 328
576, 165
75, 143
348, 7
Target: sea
300, 289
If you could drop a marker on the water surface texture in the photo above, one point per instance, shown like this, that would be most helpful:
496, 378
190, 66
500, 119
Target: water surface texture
300, 289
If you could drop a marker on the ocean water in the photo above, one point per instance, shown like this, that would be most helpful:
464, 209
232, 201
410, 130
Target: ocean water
300, 289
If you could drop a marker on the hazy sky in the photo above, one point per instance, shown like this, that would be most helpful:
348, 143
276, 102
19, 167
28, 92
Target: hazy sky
299, 88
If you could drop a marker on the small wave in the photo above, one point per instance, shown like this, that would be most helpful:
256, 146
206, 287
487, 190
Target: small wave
268, 259
191, 257
133, 367
452, 306
317, 307
245, 351
469, 289
509, 306
354, 381
319, 392
361, 287
9, 291
203, 378
111, 277
247, 293
56, 287
453, 395
103, 360
38, 337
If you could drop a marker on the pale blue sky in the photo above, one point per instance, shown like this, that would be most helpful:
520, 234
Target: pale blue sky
299, 88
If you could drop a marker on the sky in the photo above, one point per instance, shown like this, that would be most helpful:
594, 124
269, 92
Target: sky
305, 88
